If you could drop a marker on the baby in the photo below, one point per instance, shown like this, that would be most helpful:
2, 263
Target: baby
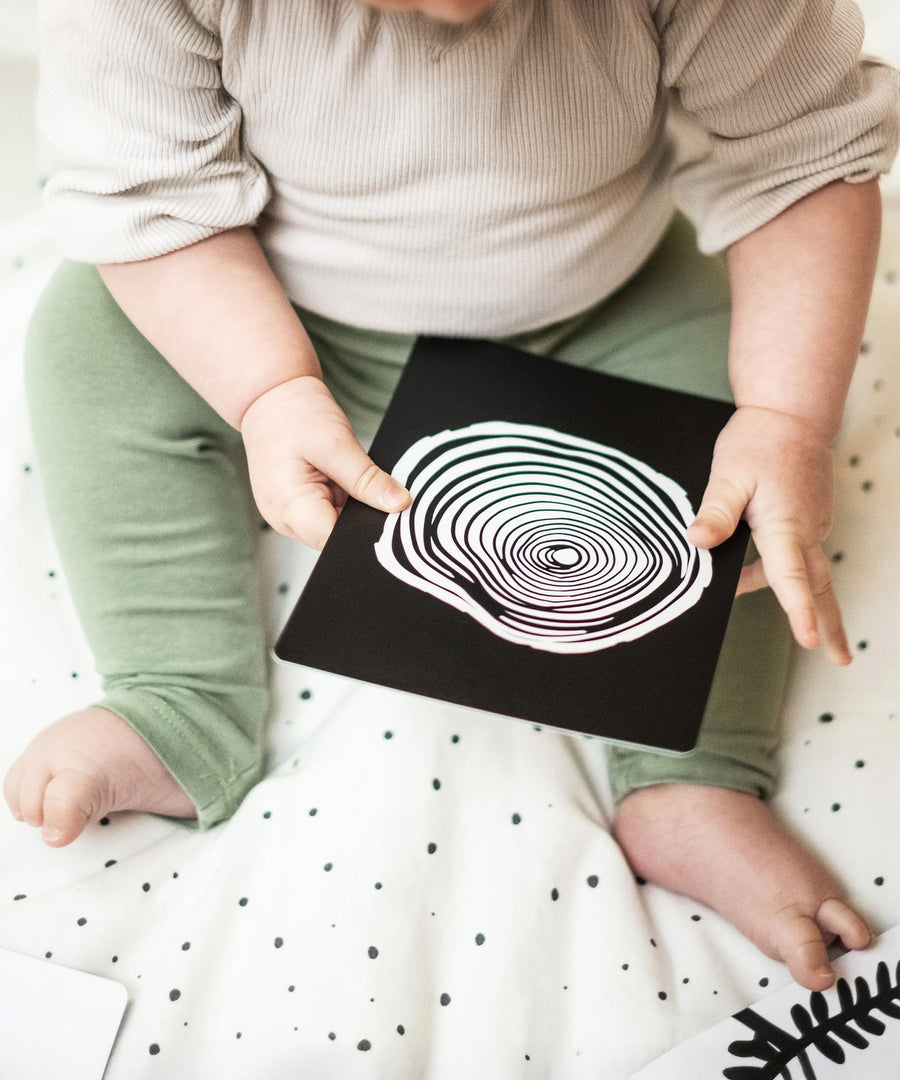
264, 204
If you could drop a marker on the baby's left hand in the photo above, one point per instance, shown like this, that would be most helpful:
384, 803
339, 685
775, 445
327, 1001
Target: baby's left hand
776, 471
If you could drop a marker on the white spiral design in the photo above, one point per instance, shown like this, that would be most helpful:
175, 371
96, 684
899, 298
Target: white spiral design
546, 539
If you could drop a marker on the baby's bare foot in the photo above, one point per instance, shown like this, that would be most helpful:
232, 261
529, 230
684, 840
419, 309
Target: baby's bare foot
727, 850
84, 766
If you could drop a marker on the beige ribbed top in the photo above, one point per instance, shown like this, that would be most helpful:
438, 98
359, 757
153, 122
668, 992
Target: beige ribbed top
415, 176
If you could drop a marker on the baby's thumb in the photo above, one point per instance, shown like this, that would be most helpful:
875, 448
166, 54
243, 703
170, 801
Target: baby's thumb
362, 479
718, 516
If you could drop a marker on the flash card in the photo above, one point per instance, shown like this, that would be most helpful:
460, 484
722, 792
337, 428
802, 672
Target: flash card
542, 570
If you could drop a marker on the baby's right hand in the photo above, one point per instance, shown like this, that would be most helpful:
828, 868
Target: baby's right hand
304, 460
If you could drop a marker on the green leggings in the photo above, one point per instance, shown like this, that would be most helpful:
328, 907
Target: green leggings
156, 529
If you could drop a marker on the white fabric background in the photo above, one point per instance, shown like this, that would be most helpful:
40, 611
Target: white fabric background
302, 936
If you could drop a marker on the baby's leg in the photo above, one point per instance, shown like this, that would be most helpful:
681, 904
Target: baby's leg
147, 492
697, 825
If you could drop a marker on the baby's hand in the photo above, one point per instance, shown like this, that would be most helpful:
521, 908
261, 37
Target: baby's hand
776, 471
304, 460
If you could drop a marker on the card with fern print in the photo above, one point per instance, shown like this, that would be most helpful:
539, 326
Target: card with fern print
849, 1031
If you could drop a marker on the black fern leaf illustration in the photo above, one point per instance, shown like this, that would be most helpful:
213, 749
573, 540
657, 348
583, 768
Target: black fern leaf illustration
777, 1050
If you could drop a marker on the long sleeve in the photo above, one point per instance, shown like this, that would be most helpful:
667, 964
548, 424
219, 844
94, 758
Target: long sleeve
144, 145
786, 100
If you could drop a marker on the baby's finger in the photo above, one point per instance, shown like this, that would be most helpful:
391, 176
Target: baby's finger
310, 515
721, 509
753, 577
785, 570
351, 468
828, 612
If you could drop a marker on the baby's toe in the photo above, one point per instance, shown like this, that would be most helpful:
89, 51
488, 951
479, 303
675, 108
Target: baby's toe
32, 782
798, 940
12, 785
840, 920
72, 799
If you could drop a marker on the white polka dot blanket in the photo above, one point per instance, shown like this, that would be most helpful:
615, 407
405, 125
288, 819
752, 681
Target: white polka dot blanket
415, 890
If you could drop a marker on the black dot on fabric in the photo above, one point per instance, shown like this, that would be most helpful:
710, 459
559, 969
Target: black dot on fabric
146, 886
47, 955
835, 806
454, 738
432, 848
516, 818
291, 988
313, 812
389, 734
554, 894
763, 981
695, 918
82, 921
74, 675
373, 952
305, 695
283, 588
826, 718
237, 1034
185, 946
154, 1048
593, 881
109, 863
363, 1044
860, 764
653, 942
436, 784
879, 880
267, 814
103, 821
278, 942
862, 645
837, 556
401, 1030
685, 980
174, 995
51, 573
243, 901
662, 995
378, 885
640, 880
445, 999
115, 959
332, 1036
866, 485
479, 939
20, 896
625, 967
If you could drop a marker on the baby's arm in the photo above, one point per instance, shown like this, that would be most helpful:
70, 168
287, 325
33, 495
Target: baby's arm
217, 313
800, 286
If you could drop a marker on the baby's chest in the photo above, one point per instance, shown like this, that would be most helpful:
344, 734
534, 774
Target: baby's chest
358, 106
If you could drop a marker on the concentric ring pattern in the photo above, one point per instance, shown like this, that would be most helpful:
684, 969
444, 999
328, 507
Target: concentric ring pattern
548, 540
